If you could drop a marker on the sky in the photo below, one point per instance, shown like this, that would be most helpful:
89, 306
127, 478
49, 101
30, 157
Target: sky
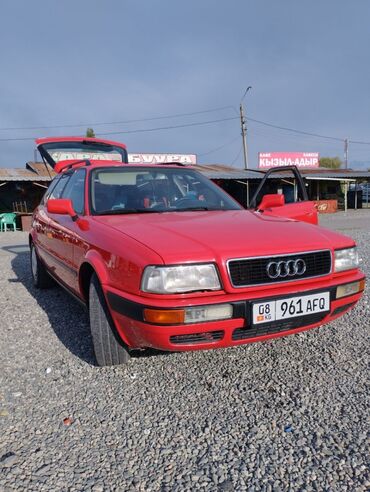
149, 65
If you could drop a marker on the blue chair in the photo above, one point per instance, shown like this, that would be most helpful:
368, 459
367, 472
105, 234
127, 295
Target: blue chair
8, 219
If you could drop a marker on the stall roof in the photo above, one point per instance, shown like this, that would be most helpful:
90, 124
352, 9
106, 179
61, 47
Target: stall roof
220, 171
37, 171
40, 168
217, 171
17, 174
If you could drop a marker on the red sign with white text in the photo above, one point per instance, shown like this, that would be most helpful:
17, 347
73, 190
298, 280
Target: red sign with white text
304, 160
162, 158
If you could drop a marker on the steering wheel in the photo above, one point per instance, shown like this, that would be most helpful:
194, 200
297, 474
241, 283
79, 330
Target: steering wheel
158, 206
187, 201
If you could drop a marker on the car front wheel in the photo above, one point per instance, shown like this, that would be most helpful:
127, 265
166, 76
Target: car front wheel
109, 348
41, 278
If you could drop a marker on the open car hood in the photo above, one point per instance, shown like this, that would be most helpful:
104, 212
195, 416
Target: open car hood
55, 149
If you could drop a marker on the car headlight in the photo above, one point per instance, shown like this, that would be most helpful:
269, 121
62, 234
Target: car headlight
182, 278
345, 259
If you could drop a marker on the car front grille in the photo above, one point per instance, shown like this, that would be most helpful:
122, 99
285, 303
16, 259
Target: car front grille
276, 326
253, 271
194, 338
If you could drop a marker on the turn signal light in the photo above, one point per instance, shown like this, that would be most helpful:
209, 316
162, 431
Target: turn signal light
350, 289
194, 314
164, 316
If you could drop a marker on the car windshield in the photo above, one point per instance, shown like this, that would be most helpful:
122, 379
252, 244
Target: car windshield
144, 190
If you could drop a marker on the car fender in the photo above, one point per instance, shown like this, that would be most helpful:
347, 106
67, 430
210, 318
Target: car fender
96, 261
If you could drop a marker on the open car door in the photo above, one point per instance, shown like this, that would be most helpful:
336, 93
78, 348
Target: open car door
56, 149
291, 202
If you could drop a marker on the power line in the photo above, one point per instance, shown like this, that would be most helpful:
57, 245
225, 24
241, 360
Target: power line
280, 136
237, 156
358, 142
292, 138
297, 131
317, 135
276, 133
121, 132
199, 123
179, 115
220, 147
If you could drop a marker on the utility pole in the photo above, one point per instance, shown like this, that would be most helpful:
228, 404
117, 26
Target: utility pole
346, 153
244, 138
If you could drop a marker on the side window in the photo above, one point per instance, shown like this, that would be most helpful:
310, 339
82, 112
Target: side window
50, 189
287, 186
75, 190
59, 187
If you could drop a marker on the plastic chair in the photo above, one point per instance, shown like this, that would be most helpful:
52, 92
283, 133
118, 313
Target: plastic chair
6, 220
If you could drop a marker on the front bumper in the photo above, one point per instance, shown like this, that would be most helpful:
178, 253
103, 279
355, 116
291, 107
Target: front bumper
128, 316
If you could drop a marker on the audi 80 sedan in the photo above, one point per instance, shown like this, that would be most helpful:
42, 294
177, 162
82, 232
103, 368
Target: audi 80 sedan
163, 258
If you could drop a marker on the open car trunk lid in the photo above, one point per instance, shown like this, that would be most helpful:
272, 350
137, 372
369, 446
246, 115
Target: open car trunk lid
55, 149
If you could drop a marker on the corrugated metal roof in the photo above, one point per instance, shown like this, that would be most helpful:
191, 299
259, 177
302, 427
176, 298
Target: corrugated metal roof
36, 171
17, 174
220, 171
331, 173
217, 171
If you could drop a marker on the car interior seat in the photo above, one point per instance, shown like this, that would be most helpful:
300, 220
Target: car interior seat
103, 197
125, 197
153, 192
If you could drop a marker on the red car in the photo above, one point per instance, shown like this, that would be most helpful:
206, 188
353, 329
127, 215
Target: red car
164, 258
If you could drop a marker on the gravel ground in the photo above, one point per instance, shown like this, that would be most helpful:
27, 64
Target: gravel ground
291, 414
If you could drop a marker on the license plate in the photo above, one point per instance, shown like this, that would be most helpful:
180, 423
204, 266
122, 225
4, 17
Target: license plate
264, 312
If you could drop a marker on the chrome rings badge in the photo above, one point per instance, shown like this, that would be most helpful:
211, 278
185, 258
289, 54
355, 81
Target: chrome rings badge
282, 269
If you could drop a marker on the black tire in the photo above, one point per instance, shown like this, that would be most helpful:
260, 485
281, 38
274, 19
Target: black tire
41, 278
108, 347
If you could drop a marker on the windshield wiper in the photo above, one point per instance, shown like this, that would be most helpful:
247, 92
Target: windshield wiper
192, 209
123, 211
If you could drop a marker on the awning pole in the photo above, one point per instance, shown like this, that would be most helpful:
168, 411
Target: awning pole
355, 195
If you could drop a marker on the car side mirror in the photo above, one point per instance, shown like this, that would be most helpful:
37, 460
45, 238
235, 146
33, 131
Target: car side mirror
270, 201
61, 206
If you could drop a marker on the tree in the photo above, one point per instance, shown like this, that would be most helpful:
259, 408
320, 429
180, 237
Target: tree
90, 133
331, 162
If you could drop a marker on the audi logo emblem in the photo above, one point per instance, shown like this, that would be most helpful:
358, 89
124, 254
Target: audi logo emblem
282, 269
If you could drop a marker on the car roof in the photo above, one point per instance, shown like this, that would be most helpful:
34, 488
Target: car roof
63, 166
